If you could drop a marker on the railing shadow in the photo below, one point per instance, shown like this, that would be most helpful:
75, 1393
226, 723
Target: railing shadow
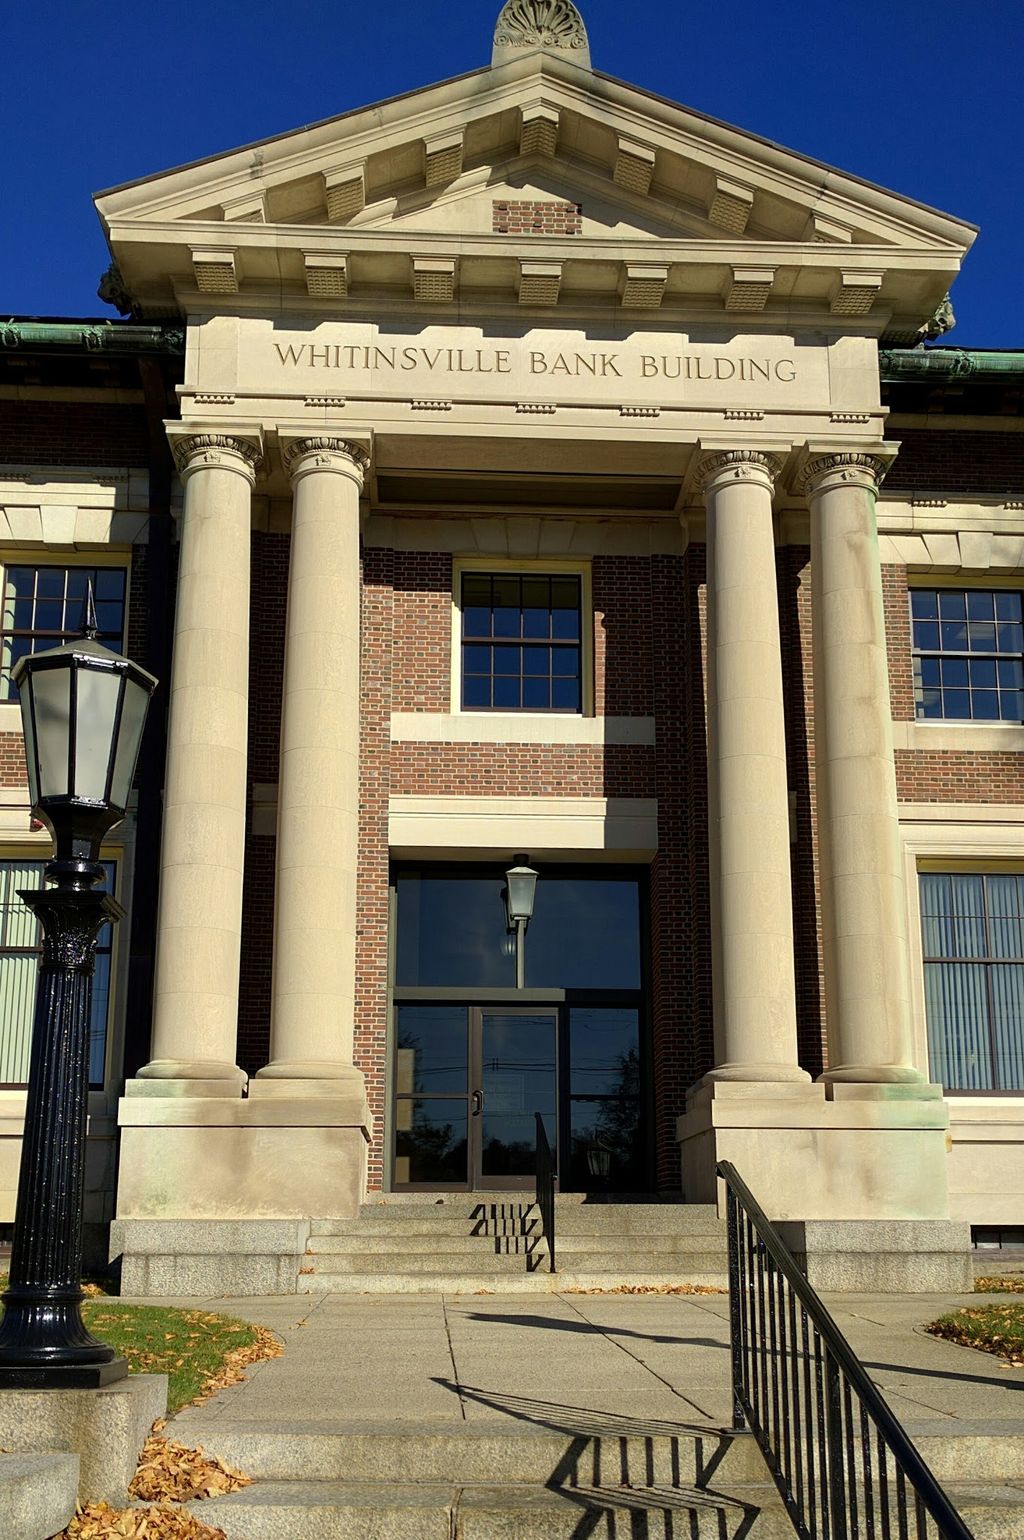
653, 1475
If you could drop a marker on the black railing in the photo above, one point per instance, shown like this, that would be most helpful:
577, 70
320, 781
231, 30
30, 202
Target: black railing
546, 1188
844, 1466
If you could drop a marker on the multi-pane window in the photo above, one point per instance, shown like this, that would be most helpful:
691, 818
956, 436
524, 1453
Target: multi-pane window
44, 607
521, 642
968, 654
19, 959
973, 931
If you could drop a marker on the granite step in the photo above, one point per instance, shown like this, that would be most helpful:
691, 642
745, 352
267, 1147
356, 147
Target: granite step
481, 1281
357, 1510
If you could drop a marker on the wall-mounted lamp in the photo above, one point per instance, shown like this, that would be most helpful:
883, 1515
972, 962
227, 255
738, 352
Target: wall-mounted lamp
519, 895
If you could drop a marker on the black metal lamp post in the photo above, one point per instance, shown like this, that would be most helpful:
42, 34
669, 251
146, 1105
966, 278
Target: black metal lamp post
520, 893
83, 710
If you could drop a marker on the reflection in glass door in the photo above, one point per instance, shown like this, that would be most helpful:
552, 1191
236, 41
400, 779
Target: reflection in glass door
516, 1064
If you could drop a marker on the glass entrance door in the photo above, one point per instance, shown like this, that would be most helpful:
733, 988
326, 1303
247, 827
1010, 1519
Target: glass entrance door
468, 1082
516, 1075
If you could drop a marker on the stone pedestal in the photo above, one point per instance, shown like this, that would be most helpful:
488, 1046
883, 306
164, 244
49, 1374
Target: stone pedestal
105, 1428
816, 1152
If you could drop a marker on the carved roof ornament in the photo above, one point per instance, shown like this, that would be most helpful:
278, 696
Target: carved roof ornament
549, 24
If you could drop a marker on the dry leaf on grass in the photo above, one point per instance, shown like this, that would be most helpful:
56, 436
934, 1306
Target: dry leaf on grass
169, 1472
98, 1521
232, 1370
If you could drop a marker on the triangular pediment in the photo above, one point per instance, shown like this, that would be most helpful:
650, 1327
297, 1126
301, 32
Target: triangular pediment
435, 166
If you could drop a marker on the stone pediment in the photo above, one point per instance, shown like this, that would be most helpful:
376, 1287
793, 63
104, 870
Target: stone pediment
737, 222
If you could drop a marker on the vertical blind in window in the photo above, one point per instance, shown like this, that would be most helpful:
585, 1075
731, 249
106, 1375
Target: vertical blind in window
973, 931
19, 964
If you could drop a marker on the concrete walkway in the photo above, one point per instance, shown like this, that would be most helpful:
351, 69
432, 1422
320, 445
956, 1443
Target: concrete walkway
564, 1359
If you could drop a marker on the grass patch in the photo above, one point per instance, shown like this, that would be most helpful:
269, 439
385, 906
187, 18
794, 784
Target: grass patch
199, 1352
997, 1329
189, 1346
1000, 1283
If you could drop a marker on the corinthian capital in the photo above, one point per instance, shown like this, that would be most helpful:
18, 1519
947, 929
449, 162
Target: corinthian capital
851, 466
727, 465
324, 452
194, 451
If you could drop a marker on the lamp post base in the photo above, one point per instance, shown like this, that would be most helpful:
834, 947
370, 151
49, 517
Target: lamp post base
62, 1376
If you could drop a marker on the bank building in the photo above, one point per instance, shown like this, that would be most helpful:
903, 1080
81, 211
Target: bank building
586, 589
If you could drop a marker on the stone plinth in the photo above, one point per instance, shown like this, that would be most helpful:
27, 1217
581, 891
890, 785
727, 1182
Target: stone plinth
37, 1494
273, 1157
888, 1256
841, 1152
105, 1428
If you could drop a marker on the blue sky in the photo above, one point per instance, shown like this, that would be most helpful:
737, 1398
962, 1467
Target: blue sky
923, 96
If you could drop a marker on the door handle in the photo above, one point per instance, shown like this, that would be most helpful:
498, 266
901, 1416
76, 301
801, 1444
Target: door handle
478, 1103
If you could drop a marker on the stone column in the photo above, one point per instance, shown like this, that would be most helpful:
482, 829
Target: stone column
318, 794
199, 925
864, 912
751, 894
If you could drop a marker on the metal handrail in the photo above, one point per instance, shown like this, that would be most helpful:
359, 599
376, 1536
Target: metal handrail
841, 1459
545, 1168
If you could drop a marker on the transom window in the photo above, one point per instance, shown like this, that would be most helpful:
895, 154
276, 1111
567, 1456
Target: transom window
19, 963
43, 607
968, 654
973, 932
521, 642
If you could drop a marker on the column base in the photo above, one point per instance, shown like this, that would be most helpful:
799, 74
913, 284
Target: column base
873, 1074
844, 1152
188, 1077
782, 1074
308, 1077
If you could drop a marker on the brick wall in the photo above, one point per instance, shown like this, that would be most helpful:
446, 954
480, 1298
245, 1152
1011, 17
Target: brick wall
268, 602
896, 604
525, 216
794, 579
946, 775
72, 433
379, 627
12, 759
422, 631
950, 461
623, 643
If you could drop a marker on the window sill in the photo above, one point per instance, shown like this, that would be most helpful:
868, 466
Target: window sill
969, 737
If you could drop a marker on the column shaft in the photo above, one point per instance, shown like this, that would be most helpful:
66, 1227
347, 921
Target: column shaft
864, 913
751, 894
318, 794
200, 913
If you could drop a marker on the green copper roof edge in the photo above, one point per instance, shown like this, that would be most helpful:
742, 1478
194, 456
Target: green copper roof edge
898, 364
100, 336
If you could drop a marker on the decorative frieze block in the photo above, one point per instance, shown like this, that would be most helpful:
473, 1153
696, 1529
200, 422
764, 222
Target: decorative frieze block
748, 288
344, 192
639, 411
326, 401
536, 408
249, 209
730, 205
538, 131
433, 280
855, 293
737, 415
539, 283
326, 275
431, 406
642, 286
850, 417
442, 158
215, 271
634, 166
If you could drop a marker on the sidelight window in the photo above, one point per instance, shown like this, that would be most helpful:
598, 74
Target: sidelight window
973, 932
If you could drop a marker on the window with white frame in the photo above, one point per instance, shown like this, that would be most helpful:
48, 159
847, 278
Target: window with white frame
521, 641
973, 934
968, 654
20, 947
43, 607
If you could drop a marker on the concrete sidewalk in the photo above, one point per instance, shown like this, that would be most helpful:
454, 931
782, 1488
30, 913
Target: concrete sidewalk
461, 1359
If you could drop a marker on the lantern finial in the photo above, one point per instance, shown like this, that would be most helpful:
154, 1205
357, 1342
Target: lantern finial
90, 629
